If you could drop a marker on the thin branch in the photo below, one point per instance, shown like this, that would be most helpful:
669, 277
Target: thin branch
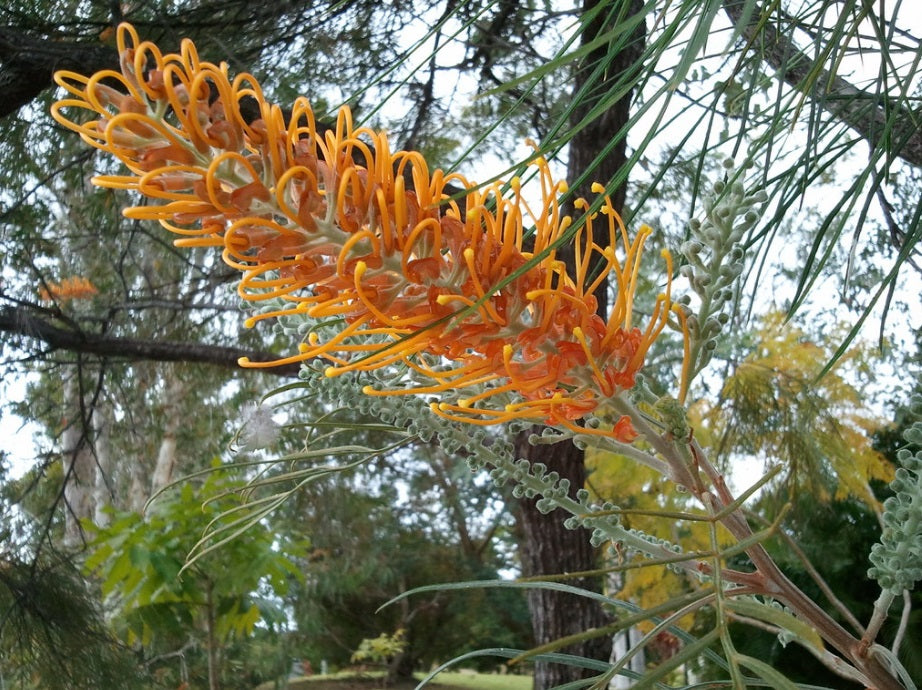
21, 321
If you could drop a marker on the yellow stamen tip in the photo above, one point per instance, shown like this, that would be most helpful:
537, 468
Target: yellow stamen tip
249, 323
515, 183
243, 361
563, 187
312, 338
464, 402
367, 390
304, 347
598, 188
444, 299
468, 254
330, 372
578, 332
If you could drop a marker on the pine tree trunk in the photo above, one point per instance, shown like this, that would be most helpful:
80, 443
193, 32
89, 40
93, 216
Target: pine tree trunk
547, 547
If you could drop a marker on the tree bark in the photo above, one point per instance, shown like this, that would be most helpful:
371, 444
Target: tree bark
548, 547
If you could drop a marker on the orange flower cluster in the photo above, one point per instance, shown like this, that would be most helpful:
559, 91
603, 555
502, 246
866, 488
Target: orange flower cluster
76, 287
325, 222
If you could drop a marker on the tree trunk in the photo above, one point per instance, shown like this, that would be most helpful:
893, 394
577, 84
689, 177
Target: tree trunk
212, 638
165, 467
547, 546
79, 464
102, 492
550, 548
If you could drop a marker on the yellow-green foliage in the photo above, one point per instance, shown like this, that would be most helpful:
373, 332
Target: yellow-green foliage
650, 503
774, 406
380, 649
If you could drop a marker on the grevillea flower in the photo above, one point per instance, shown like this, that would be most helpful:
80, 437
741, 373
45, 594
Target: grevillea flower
75, 287
325, 221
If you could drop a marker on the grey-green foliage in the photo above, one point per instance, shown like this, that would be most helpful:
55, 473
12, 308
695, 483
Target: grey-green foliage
483, 448
897, 558
715, 259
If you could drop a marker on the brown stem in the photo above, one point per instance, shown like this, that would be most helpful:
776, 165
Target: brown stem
778, 586
774, 582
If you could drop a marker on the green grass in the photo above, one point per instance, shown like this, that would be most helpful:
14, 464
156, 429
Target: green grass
484, 681
444, 681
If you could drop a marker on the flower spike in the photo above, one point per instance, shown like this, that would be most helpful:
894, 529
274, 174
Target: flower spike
324, 221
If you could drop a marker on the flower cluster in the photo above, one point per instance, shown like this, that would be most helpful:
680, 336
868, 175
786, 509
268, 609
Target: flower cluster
337, 226
75, 287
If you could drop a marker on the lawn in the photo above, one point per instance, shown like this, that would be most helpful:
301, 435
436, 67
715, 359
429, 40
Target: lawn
446, 681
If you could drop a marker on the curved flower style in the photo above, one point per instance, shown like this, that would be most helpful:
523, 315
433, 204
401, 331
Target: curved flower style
324, 220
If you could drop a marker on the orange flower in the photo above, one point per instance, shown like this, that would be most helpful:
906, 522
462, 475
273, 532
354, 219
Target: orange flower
76, 287
323, 222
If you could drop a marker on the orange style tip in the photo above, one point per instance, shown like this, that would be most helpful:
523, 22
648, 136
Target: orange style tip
597, 188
